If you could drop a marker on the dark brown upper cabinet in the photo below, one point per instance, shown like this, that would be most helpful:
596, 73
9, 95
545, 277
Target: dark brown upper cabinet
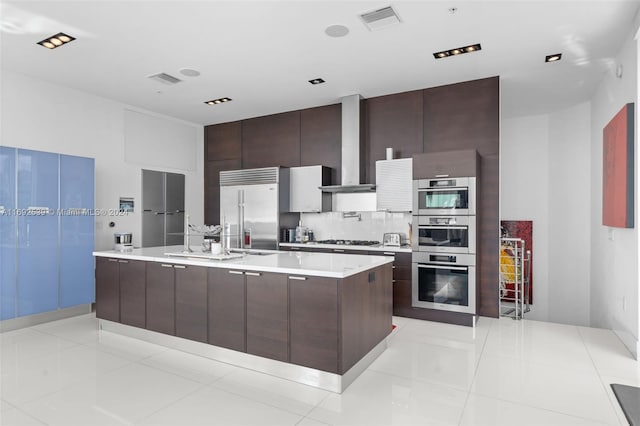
223, 141
272, 140
393, 121
463, 116
321, 138
212, 171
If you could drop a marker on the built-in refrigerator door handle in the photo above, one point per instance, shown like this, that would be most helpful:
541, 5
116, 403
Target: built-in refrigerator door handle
241, 218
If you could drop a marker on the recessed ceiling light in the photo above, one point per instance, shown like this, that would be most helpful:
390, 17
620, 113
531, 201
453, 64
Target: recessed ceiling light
189, 72
336, 31
553, 58
218, 101
316, 81
56, 40
458, 51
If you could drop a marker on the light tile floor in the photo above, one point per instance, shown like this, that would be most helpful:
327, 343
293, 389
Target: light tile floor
503, 372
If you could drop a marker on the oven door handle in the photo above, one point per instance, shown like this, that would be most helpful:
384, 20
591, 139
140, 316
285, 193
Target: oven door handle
442, 226
453, 268
443, 188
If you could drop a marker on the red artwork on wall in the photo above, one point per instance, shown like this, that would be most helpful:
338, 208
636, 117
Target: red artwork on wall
522, 229
617, 169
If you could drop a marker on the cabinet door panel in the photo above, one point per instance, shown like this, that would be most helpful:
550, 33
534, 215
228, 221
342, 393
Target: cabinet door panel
272, 140
77, 284
223, 141
191, 302
132, 277
161, 312
227, 309
107, 289
7, 233
267, 316
313, 315
38, 255
321, 137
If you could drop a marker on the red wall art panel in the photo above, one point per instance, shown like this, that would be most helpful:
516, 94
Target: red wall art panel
617, 169
509, 267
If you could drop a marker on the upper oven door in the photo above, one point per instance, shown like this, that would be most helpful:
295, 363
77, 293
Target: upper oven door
444, 196
444, 234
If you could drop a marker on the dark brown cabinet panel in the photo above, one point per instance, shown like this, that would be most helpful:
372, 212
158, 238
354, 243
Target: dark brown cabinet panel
272, 140
313, 316
132, 275
223, 141
445, 164
366, 309
267, 315
488, 238
107, 289
191, 302
463, 116
321, 138
402, 298
393, 121
227, 309
212, 187
161, 298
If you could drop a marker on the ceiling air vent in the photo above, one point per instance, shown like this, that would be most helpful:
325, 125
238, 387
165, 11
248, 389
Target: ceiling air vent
380, 18
164, 78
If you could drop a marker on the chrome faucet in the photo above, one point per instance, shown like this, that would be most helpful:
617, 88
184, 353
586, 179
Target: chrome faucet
187, 233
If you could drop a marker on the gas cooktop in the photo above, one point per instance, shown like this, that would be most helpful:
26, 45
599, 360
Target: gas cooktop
350, 242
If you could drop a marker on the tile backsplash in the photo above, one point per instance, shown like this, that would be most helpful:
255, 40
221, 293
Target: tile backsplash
371, 226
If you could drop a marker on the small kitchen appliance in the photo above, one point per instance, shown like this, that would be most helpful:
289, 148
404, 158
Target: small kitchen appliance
123, 241
391, 239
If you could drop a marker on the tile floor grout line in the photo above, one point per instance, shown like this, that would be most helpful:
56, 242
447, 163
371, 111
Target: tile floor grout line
602, 382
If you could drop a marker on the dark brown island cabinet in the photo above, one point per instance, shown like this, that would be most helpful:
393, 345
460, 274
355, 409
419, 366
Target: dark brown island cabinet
321, 322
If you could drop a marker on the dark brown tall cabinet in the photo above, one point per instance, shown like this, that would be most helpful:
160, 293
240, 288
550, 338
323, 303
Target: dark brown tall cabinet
321, 138
273, 140
223, 151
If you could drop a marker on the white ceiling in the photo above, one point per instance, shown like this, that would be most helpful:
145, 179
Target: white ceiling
262, 53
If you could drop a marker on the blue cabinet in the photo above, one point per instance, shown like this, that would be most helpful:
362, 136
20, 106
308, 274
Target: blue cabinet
38, 255
7, 233
76, 231
46, 232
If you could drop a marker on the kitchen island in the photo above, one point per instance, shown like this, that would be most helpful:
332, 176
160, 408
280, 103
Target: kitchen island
315, 318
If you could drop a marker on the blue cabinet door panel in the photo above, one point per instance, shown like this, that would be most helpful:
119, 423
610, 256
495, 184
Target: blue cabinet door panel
77, 278
37, 245
7, 233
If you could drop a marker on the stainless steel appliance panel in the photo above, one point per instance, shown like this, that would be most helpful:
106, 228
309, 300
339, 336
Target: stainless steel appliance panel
452, 196
444, 281
174, 227
260, 216
152, 229
152, 191
447, 234
230, 212
174, 192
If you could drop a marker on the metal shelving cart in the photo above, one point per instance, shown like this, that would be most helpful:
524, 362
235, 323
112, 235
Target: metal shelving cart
515, 273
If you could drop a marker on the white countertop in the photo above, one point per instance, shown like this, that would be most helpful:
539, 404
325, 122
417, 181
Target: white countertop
333, 265
379, 247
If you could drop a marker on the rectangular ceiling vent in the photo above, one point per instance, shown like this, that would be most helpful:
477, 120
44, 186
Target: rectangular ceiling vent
164, 78
380, 18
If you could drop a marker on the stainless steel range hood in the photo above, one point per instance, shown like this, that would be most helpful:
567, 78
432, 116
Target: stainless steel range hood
350, 149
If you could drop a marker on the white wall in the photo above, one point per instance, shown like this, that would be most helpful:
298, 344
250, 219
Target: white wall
614, 265
46, 117
545, 162
569, 215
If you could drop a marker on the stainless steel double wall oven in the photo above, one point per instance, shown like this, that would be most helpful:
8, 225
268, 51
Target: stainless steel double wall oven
444, 244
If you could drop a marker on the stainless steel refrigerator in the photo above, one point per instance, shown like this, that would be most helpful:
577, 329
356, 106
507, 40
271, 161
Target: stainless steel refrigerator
255, 204
162, 208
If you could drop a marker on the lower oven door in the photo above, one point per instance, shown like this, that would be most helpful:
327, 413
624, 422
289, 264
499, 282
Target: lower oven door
445, 287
